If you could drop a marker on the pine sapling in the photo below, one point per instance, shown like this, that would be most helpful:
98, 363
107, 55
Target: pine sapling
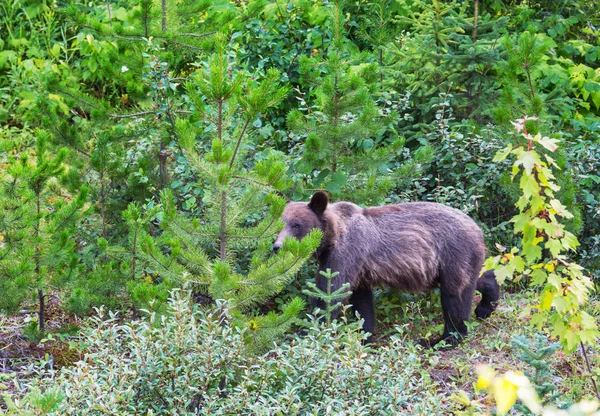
332, 300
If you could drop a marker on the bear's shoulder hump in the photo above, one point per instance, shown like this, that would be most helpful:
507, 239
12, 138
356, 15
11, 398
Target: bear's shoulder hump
346, 209
383, 210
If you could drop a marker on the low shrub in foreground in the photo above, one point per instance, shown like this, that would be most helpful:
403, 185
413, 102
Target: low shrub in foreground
195, 362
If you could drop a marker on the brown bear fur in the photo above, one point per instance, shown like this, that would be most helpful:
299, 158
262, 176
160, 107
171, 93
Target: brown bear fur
413, 247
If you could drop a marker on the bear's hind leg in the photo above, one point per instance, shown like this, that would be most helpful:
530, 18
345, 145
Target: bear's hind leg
456, 309
362, 302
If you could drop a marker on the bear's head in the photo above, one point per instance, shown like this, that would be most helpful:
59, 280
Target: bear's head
301, 218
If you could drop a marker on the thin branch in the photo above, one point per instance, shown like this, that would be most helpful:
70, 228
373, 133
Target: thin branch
145, 113
109, 13
268, 185
214, 235
247, 202
239, 141
197, 35
589, 368
249, 296
141, 113
164, 15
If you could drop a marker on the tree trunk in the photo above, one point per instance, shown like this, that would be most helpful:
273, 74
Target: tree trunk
42, 313
164, 15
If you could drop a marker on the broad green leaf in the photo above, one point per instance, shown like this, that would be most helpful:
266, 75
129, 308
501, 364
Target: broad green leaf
554, 280
519, 264
539, 319
502, 154
569, 241
560, 208
120, 14
537, 204
596, 99
92, 64
302, 166
502, 273
332, 187
570, 340
528, 159
538, 277
561, 304
491, 262
321, 176
339, 178
554, 246
529, 185
520, 220
532, 253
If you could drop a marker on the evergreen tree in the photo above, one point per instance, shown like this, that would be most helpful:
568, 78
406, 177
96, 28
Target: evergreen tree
117, 106
377, 28
226, 252
37, 222
116, 111
443, 50
350, 143
522, 73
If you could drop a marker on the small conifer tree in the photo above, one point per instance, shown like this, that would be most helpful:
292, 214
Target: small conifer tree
348, 146
37, 222
522, 71
445, 48
226, 251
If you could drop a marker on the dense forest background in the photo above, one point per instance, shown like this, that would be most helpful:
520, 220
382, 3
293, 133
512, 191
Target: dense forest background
149, 146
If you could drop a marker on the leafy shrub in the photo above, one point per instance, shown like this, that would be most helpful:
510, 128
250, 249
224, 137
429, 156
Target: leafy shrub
543, 255
196, 362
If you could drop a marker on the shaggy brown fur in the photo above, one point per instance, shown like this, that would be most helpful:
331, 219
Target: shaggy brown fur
412, 247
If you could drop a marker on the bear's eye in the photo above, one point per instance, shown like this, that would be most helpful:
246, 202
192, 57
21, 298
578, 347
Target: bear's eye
296, 226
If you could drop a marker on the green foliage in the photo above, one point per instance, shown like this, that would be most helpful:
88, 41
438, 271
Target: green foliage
541, 258
443, 50
282, 34
37, 225
164, 107
523, 72
537, 355
32, 41
351, 142
329, 298
37, 402
196, 362
538, 80
227, 253
586, 166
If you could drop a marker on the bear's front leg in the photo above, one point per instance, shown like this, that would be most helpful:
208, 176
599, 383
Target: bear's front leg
362, 302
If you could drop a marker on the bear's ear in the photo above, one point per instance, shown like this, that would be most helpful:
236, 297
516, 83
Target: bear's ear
319, 202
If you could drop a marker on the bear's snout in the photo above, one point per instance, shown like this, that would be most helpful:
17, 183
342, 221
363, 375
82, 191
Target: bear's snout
277, 246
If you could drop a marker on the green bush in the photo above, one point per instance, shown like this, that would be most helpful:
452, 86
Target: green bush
195, 362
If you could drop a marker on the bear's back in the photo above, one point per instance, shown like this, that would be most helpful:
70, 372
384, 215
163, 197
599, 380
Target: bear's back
435, 217
405, 245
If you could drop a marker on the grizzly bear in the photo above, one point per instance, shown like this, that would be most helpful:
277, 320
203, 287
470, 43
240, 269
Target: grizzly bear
413, 246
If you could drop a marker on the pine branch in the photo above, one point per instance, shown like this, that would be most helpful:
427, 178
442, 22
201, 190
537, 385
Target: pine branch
197, 35
145, 113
